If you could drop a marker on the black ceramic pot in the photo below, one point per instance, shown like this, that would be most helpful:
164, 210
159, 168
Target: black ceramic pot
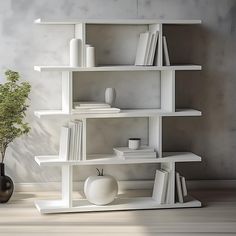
6, 185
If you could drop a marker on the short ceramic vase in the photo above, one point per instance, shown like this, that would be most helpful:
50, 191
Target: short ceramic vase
6, 185
100, 190
110, 96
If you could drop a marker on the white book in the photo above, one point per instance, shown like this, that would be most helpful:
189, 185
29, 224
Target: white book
150, 154
76, 151
184, 186
71, 152
98, 111
169, 193
80, 140
82, 105
153, 49
64, 143
126, 150
160, 186
141, 49
165, 52
179, 188
150, 39
138, 157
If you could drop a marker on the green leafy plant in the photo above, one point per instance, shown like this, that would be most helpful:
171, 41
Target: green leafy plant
13, 105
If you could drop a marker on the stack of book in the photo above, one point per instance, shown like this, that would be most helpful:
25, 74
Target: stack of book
162, 187
142, 153
71, 141
181, 188
94, 107
147, 49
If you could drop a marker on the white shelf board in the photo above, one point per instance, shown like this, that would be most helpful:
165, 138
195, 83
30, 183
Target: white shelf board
58, 206
122, 113
117, 68
114, 21
110, 159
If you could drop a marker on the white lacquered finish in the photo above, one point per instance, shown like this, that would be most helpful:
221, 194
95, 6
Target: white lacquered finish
123, 113
166, 74
115, 21
57, 206
117, 68
110, 159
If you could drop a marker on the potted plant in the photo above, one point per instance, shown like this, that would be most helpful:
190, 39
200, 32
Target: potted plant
100, 189
13, 105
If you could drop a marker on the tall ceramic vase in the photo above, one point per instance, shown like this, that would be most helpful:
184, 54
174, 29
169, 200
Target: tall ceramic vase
75, 52
110, 96
6, 185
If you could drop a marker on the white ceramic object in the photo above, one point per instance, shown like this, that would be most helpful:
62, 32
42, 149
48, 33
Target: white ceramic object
110, 96
90, 56
100, 190
134, 143
75, 52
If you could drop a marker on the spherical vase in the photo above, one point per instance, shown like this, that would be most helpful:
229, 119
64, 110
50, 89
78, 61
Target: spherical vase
6, 185
110, 96
100, 190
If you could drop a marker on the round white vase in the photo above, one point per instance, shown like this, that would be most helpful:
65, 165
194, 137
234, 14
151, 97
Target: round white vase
100, 190
110, 96
75, 52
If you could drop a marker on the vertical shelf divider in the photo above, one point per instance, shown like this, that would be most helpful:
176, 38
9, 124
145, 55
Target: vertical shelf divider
168, 91
66, 188
80, 33
155, 134
170, 167
66, 91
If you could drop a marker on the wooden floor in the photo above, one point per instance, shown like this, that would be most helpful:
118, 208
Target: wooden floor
216, 217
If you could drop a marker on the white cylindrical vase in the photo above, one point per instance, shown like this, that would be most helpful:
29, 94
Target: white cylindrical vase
110, 96
90, 56
75, 52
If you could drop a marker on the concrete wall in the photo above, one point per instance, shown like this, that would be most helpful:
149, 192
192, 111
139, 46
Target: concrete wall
23, 45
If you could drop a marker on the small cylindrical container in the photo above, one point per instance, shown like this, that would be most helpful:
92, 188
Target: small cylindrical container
75, 52
134, 143
90, 56
110, 96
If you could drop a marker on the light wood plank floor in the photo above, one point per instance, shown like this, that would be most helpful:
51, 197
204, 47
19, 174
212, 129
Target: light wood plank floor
216, 217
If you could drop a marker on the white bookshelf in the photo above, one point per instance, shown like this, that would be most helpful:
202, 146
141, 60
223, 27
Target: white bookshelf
154, 116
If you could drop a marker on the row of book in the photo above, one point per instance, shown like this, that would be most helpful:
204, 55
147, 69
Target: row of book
148, 47
162, 187
128, 154
71, 141
94, 108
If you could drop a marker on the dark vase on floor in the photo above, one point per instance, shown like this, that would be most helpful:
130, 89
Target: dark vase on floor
6, 185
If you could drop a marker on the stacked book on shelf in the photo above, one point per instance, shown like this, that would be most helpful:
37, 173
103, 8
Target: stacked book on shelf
148, 47
142, 153
162, 187
94, 107
71, 141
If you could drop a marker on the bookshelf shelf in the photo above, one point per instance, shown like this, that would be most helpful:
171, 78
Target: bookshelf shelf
116, 21
134, 203
122, 113
109, 159
118, 68
124, 52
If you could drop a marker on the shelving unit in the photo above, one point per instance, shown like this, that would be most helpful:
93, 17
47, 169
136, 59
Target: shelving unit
166, 74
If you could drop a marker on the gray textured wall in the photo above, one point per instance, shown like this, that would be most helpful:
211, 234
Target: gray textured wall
23, 45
